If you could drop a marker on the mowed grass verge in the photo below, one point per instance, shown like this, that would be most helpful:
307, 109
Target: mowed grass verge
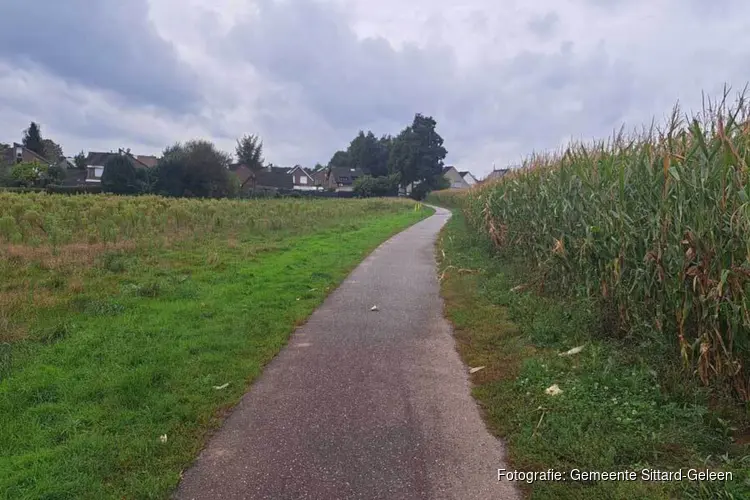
157, 333
624, 404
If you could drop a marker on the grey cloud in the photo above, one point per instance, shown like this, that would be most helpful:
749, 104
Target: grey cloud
311, 47
544, 26
105, 44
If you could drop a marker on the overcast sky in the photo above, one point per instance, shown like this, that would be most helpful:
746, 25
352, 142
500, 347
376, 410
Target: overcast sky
502, 78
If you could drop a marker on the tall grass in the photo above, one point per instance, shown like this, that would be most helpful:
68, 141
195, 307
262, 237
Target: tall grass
40, 219
657, 225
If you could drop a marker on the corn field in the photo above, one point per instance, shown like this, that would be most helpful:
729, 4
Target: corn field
40, 219
656, 225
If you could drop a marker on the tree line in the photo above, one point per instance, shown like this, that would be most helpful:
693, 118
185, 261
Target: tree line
414, 157
197, 168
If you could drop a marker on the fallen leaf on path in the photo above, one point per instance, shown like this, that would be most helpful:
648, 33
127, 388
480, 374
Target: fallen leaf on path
573, 351
553, 390
476, 369
220, 387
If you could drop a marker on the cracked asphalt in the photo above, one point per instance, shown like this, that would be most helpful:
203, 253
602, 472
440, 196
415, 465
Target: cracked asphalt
361, 404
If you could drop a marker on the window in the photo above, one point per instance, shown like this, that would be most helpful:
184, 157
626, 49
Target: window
303, 180
344, 179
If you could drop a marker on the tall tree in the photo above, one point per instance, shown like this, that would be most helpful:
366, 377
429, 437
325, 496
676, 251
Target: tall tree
339, 159
250, 151
368, 153
80, 160
52, 151
417, 153
32, 139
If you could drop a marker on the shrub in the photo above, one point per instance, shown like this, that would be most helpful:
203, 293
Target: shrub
119, 176
367, 186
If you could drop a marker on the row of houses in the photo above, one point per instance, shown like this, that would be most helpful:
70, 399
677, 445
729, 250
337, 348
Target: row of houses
297, 177
74, 176
269, 178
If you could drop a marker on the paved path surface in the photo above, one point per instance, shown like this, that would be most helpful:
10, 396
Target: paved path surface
361, 404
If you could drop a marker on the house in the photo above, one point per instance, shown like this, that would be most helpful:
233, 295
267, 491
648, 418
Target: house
267, 179
66, 163
242, 172
454, 177
468, 178
149, 161
74, 176
273, 181
342, 178
21, 154
497, 173
321, 178
96, 161
302, 179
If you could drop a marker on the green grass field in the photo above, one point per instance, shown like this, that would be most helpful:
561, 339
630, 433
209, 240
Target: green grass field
123, 320
625, 404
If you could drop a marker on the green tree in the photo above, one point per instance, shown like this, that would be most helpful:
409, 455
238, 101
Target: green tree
250, 153
119, 176
195, 168
417, 154
32, 139
27, 174
52, 151
80, 160
339, 159
55, 174
369, 153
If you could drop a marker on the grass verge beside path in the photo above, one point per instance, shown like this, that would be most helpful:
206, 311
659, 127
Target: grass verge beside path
159, 343
622, 406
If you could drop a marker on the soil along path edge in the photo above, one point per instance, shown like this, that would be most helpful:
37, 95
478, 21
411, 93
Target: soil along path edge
362, 403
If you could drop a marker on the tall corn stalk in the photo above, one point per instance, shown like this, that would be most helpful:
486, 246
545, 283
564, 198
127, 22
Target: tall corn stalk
656, 223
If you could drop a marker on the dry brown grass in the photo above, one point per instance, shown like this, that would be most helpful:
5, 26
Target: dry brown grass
64, 257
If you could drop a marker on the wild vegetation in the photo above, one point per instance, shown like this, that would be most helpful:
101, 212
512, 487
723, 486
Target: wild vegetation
654, 226
128, 324
623, 404
635, 250
415, 155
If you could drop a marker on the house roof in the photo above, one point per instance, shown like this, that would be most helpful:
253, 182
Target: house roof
497, 173
279, 180
10, 154
149, 161
241, 170
447, 168
100, 159
337, 173
297, 167
67, 163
